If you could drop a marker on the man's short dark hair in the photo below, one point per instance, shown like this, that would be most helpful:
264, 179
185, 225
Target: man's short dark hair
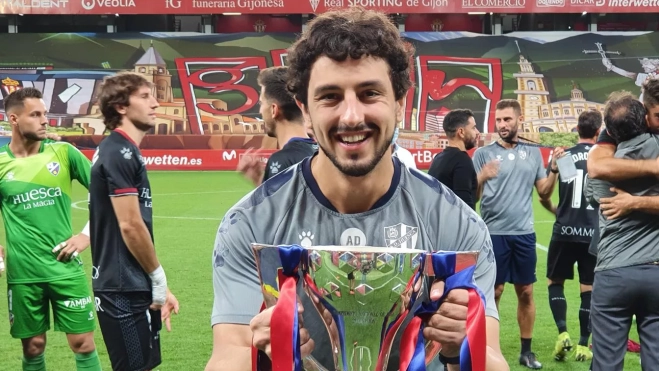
274, 80
589, 123
17, 98
456, 119
651, 93
353, 33
624, 116
116, 91
510, 103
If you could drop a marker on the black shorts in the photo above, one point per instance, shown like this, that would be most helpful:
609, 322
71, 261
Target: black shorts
131, 331
561, 257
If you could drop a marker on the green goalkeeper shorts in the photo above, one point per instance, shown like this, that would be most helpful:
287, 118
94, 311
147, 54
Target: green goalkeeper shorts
71, 300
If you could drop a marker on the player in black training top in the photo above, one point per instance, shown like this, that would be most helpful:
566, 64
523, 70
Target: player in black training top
453, 167
294, 151
576, 221
129, 283
283, 120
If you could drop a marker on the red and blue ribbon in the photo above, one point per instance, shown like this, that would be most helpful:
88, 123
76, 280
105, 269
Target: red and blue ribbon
473, 348
285, 324
390, 329
338, 318
285, 352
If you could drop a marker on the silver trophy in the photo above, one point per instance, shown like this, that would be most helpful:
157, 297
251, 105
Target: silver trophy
357, 302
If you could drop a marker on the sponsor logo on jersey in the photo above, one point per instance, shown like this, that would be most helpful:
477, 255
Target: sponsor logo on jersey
401, 235
274, 167
77, 303
53, 168
145, 196
576, 231
38, 197
127, 153
306, 238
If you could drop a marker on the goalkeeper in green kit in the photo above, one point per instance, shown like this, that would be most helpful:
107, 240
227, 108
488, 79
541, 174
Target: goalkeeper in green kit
41, 255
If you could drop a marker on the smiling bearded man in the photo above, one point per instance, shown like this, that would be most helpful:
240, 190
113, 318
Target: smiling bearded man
350, 74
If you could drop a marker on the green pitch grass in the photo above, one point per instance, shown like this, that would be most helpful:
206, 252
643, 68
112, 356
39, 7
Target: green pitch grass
188, 207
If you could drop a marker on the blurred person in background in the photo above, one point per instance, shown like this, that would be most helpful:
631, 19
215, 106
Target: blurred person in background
453, 166
576, 222
129, 283
283, 120
519, 168
627, 250
602, 165
601, 162
401, 153
44, 269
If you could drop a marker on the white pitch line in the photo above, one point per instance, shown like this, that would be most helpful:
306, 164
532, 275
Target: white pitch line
200, 193
76, 206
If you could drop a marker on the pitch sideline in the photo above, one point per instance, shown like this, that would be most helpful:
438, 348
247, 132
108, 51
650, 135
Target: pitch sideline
76, 205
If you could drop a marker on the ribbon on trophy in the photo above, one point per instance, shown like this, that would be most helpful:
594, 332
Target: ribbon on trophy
260, 362
338, 319
473, 348
286, 350
390, 328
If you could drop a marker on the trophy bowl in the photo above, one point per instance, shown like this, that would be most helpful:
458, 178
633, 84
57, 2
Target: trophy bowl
357, 301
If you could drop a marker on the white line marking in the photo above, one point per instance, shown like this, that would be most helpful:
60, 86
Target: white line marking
194, 171
202, 193
76, 205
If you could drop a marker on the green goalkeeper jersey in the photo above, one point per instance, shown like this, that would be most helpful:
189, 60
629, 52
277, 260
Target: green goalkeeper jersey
36, 208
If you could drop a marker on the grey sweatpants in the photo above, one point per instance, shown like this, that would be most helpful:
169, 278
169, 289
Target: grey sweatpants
618, 294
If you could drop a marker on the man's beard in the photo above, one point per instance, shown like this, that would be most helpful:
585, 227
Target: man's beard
270, 128
470, 144
359, 170
509, 139
32, 136
142, 126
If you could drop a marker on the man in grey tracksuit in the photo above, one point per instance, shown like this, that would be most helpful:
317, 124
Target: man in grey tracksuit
628, 246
